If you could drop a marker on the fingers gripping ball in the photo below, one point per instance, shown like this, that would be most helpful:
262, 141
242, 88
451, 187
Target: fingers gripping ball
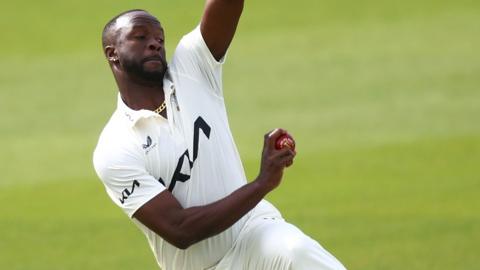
285, 140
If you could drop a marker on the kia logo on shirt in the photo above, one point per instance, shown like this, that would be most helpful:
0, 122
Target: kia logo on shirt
127, 192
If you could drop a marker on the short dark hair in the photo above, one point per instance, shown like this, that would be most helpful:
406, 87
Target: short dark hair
110, 24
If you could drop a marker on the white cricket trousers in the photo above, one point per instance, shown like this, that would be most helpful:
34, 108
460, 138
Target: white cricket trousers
270, 243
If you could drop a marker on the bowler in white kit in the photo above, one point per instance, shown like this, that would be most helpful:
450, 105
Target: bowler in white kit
168, 159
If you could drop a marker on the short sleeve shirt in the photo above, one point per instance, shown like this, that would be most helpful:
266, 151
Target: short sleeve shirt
191, 153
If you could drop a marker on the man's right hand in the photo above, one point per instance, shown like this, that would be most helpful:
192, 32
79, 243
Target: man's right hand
274, 160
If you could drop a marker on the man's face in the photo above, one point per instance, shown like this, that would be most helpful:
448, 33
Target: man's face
140, 46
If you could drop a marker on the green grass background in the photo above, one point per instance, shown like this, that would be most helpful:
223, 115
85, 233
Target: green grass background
383, 98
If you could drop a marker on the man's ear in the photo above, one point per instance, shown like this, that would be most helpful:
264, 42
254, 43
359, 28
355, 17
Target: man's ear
111, 54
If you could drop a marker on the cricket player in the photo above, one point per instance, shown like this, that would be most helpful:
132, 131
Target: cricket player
168, 160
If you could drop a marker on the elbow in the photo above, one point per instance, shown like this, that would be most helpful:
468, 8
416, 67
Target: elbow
178, 239
183, 242
181, 245
187, 231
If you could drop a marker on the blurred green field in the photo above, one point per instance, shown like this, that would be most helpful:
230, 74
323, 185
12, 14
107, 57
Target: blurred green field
383, 98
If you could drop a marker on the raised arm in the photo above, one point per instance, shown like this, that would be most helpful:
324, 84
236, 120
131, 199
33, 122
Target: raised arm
219, 23
183, 227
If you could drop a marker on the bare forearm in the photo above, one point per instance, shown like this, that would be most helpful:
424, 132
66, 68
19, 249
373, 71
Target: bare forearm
205, 221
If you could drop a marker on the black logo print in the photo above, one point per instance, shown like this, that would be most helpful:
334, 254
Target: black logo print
126, 192
148, 144
198, 125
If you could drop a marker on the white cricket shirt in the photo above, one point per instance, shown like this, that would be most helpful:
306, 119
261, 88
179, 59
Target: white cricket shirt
192, 153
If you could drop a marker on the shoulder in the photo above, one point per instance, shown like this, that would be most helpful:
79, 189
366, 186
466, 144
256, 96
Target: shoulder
191, 41
193, 50
193, 62
116, 145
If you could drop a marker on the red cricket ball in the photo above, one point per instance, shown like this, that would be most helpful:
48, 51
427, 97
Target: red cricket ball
285, 140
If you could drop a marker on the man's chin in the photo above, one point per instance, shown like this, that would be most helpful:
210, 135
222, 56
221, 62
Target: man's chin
153, 76
148, 72
153, 66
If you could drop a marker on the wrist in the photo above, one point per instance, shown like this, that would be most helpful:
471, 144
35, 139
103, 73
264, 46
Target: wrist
263, 185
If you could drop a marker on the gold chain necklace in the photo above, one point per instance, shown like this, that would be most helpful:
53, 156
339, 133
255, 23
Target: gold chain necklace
161, 107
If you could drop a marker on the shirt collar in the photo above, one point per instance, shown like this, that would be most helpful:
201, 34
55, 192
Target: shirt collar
132, 116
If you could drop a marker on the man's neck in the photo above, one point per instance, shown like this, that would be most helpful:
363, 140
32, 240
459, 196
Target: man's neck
139, 96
